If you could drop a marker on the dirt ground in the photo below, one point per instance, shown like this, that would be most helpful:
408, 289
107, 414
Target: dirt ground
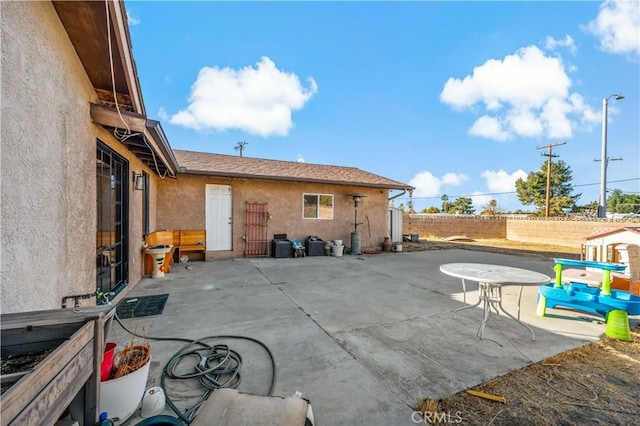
543, 251
597, 384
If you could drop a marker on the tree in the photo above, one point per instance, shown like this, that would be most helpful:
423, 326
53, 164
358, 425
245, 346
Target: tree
491, 208
445, 203
463, 205
618, 202
431, 209
410, 206
533, 189
588, 210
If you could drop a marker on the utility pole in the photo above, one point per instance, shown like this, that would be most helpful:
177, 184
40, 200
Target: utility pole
549, 155
240, 146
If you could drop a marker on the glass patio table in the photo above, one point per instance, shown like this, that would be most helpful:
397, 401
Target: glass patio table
490, 280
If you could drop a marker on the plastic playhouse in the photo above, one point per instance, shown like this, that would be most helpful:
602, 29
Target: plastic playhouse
583, 297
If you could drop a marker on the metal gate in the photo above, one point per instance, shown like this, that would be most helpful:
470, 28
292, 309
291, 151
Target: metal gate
255, 229
112, 208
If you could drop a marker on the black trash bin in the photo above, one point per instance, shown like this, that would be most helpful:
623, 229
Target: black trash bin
281, 248
314, 246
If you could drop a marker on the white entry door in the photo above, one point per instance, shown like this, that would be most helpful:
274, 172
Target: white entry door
218, 217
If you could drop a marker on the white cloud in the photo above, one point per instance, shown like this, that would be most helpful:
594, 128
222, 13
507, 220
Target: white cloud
162, 113
258, 100
617, 27
526, 122
453, 179
589, 116
568, 42
501, 181
428, 185
526, 94
300, 159
480, 200
490, 128
131, 20
555, 114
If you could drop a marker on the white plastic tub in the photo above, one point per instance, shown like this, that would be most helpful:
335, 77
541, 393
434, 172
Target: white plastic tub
120, 397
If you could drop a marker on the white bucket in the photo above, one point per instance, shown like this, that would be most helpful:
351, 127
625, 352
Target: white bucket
120, 397
397, 247
337, 250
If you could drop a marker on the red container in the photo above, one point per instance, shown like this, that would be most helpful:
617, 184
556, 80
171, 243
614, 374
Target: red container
107, 361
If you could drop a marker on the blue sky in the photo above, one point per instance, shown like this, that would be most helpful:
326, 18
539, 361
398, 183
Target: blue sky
450, 97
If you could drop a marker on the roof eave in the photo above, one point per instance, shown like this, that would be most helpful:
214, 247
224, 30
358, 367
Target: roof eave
184, 170
155, 127
150, 130
119, 14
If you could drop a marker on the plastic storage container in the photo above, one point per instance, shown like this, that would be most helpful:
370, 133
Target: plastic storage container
314, 247
281, 248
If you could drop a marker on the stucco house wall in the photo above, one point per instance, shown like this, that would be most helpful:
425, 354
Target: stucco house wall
48, 178
52, 118
48, 186
181, 205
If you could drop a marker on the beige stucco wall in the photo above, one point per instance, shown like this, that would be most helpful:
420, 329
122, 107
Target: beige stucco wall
181, 205
47, 159
429, 226
570, 233
48, 183
563, 232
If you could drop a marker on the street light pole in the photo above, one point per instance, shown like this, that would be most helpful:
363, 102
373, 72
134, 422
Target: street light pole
602, 207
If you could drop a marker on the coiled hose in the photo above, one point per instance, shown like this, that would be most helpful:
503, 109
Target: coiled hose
217, 366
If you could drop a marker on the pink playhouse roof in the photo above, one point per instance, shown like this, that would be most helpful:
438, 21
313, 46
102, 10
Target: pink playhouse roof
603, 231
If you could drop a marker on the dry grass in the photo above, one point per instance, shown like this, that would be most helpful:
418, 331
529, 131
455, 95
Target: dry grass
130, 359
498, 245
598, 383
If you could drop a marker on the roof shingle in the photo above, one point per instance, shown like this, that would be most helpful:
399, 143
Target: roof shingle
258, 168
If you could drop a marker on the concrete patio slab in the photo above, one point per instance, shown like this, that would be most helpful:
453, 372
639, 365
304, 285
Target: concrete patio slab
364, 338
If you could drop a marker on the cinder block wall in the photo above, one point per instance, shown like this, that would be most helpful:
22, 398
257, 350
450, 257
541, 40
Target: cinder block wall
563, 232
570, 233
447, 226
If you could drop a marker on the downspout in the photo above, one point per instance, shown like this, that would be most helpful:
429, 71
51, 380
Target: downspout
398, 195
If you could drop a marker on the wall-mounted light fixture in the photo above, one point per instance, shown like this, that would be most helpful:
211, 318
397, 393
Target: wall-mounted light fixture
138, 181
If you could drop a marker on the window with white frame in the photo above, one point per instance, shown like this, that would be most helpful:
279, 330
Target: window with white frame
317, 206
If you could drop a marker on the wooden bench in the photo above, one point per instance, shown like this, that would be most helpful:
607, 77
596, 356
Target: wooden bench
191, 241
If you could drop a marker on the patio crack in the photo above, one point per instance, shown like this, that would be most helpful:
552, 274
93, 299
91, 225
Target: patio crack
344, 348
308, 315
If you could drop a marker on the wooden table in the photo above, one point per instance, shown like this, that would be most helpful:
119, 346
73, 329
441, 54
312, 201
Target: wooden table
490, 280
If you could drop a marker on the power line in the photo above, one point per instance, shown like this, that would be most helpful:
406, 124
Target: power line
611, 181
510, 192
